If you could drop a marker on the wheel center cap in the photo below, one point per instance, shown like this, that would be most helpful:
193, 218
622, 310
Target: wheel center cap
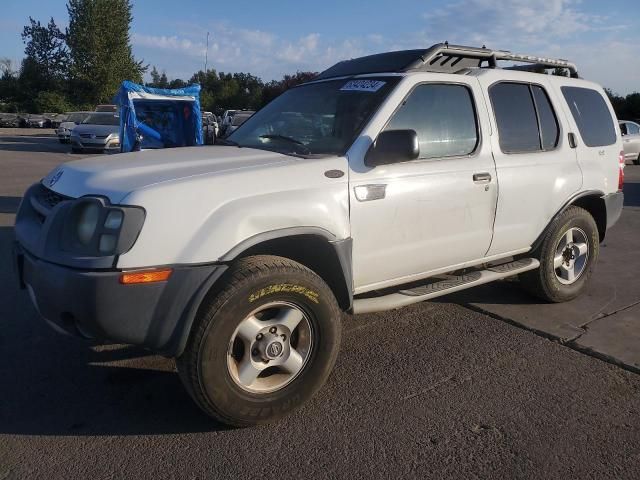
274, 349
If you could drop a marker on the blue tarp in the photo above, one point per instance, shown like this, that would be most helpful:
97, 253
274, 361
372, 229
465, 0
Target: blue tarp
160, 117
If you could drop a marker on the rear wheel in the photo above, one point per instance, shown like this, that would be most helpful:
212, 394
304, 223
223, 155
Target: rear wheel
567, 256
264, 344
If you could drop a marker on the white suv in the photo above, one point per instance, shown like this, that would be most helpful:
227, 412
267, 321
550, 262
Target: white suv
388, 180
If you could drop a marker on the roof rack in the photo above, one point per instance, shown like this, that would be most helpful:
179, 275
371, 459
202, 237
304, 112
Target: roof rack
443, 58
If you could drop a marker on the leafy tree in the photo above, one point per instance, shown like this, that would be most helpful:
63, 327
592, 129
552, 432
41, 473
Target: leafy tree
46, 51
100, 48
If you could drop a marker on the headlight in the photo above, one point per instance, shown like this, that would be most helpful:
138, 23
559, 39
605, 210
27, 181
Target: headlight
88, 217
94, 227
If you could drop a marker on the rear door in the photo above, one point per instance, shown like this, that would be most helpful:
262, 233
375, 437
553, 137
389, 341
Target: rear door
536, 167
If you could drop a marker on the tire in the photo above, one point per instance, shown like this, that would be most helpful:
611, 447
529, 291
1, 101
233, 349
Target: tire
555, 284
637, 160
75, 150
211, 364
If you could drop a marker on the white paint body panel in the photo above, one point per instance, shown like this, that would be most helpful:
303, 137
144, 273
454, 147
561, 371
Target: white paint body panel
201, 202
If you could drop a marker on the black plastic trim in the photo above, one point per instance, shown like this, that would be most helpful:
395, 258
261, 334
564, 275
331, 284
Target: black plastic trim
94, 304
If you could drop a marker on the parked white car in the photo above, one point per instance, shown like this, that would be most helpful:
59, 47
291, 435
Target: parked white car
66, 127
388, 180
630, 141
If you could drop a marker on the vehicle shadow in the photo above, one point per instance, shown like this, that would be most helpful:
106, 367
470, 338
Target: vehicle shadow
41, 143
503, 292
54, 384
9, 204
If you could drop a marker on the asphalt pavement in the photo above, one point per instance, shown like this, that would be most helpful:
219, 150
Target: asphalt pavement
435, 390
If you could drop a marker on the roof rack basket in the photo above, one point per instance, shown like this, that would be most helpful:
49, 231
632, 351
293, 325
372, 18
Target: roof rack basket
442, 57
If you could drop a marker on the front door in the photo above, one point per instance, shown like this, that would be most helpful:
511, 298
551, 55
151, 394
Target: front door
414, 218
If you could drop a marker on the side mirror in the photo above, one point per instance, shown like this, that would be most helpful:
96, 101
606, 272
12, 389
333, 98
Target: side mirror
393, 146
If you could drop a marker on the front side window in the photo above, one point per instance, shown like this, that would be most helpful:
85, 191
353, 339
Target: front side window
592, 116
525, 118
321, 118
443, 117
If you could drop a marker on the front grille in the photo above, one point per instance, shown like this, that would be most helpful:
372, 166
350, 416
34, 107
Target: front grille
86, 135
43, 200
49, 197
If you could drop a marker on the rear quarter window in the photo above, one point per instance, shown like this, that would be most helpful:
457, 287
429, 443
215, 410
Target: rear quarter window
592, 116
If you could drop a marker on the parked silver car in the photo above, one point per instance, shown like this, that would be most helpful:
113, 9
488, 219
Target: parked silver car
630, 141
99, 131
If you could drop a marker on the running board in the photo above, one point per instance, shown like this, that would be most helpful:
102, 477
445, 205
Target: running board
403, 298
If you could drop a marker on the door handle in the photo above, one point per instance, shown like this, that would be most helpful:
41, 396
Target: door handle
484, 177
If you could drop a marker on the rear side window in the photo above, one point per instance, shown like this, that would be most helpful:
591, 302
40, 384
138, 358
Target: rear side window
592, 116
549, 131
525, 118
444, 118
633, 129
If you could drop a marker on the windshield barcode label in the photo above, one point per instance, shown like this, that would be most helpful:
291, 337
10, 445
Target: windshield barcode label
363, 85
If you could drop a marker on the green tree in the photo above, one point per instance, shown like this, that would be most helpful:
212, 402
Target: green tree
47, 51
100, 49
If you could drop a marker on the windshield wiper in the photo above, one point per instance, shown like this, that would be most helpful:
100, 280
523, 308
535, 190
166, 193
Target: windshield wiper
276, 136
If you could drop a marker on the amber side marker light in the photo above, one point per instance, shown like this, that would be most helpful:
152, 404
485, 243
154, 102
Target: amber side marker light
148, 276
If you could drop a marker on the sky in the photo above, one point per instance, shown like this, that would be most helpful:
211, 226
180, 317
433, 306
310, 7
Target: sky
284, 36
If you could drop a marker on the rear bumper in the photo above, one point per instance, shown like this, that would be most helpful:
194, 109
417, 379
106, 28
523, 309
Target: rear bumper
613, 203
94, 304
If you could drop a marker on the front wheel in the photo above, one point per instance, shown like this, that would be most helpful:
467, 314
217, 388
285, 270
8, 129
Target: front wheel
567, 256
262, 345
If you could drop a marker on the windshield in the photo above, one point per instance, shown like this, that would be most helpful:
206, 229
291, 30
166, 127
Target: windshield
316, 119
75, 117
102, 119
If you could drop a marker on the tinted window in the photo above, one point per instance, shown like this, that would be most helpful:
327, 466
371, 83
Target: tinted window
516, 117
633, 129
443, 117
549, 131
592, 116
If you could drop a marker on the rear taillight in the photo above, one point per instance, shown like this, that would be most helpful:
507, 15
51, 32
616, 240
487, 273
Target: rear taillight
621, 171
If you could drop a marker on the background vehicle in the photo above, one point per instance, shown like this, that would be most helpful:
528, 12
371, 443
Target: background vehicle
9, 120
417, 173
210, 129
71, 119
98, 131
107, 108
630, 140
238, 119
35, 121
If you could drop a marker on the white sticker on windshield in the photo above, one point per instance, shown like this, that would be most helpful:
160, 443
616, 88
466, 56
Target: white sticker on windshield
363, 85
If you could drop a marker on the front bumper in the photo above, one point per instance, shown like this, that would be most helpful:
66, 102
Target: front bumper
95, 144
94, 304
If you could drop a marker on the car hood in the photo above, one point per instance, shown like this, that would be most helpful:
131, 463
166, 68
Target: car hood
115, 176
96, 129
